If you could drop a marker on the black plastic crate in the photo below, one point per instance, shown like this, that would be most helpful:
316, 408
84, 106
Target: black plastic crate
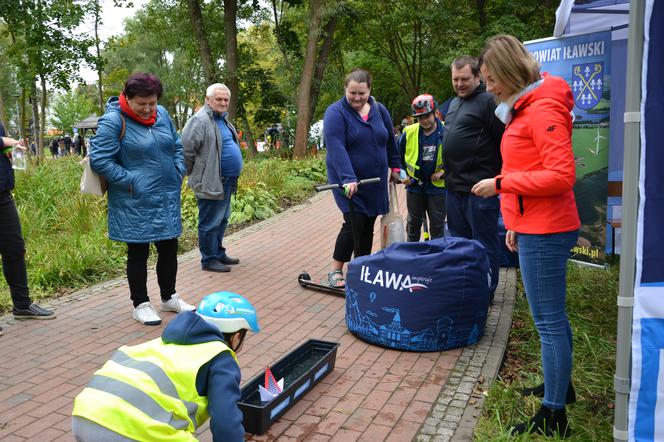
301, 369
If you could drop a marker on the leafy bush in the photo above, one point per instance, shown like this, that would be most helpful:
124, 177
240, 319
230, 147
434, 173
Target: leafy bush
253, 203
265, 185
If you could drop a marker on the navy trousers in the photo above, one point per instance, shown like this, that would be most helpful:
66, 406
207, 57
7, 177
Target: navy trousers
474, 217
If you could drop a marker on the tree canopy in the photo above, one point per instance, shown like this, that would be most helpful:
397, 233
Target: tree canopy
284, 60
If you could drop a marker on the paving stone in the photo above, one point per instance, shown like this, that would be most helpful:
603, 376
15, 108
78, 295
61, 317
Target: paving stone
455, 411
427, 429
458, 404
450, 425
466, 387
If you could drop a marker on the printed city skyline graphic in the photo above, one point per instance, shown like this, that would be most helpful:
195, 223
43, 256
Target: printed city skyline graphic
393, 334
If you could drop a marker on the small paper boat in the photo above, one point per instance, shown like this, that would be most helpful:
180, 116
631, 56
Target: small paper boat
267, 395
272, 388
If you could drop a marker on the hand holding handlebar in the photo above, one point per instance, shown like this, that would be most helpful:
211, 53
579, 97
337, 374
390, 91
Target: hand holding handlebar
341, 186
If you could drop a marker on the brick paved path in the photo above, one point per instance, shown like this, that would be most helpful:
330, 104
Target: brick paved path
374, 394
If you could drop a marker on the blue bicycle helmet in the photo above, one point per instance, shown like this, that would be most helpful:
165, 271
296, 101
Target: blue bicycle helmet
228, 311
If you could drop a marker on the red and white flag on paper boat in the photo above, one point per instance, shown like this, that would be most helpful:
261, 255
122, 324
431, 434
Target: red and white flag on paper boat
272, 388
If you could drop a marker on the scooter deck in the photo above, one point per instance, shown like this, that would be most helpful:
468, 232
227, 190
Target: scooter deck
305, 281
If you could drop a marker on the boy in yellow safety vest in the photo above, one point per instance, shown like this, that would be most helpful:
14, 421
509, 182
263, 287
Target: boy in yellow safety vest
166, 388
421, 147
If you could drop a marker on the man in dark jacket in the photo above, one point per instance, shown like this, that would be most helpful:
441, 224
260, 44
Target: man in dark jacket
54, 147
66, 140
12, 246
472, 153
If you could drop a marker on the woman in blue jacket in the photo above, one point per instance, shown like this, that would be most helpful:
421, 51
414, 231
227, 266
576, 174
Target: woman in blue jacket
138, 152
360, 144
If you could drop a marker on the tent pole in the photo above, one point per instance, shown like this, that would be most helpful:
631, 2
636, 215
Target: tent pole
630, 202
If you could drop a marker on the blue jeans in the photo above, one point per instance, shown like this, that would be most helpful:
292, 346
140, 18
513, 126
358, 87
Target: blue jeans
474, 217
212, 222
543, 261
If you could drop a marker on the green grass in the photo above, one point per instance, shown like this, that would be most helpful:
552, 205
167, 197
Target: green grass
66, 231
591, 306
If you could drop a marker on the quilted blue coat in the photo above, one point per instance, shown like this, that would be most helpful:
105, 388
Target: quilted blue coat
144, 173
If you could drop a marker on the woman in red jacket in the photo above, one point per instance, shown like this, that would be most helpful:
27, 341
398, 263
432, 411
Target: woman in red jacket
538, 206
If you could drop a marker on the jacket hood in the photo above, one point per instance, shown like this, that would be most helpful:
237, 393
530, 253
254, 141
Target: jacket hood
113, 104
188, 328
552, 88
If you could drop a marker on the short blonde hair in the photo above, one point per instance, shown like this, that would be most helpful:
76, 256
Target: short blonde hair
510, 62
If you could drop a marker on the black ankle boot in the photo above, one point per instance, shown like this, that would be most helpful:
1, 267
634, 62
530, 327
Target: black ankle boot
538, 391
547, 422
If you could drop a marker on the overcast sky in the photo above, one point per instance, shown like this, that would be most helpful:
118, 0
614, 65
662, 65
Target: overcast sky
112, 18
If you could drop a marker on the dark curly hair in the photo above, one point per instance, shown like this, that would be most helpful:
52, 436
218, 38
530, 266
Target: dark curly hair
142, 84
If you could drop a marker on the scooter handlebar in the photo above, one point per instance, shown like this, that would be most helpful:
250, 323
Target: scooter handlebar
340, 186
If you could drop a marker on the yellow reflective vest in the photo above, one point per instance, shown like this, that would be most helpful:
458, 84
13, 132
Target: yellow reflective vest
413, 151
147, 392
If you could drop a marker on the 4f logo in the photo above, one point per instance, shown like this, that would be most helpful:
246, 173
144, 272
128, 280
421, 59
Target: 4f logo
588, 84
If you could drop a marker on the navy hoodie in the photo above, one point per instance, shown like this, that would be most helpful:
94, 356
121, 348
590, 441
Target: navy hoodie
219, 379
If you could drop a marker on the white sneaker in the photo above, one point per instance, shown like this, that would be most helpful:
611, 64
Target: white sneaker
176, 304
146, 314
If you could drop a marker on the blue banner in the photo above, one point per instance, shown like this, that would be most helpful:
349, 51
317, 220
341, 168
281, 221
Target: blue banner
646, 401
584, 61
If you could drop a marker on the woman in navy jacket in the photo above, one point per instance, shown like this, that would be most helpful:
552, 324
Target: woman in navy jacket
138, 152
360, 144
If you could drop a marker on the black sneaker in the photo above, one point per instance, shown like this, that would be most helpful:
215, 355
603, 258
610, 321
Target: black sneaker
216, 266
227, 260
1, 332
33, 312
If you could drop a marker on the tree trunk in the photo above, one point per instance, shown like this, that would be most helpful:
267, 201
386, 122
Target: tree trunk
197, 24
304, 90
3, 118
99, 64
44, 92
278, 30
321, 63
35, 113
230, 32
251, 145
23, 125
481, 14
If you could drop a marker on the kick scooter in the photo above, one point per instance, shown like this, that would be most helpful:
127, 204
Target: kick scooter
304, 279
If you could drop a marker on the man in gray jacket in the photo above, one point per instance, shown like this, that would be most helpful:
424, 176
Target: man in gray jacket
214, 163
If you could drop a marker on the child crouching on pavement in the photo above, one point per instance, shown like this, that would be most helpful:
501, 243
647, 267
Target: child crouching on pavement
166, 388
